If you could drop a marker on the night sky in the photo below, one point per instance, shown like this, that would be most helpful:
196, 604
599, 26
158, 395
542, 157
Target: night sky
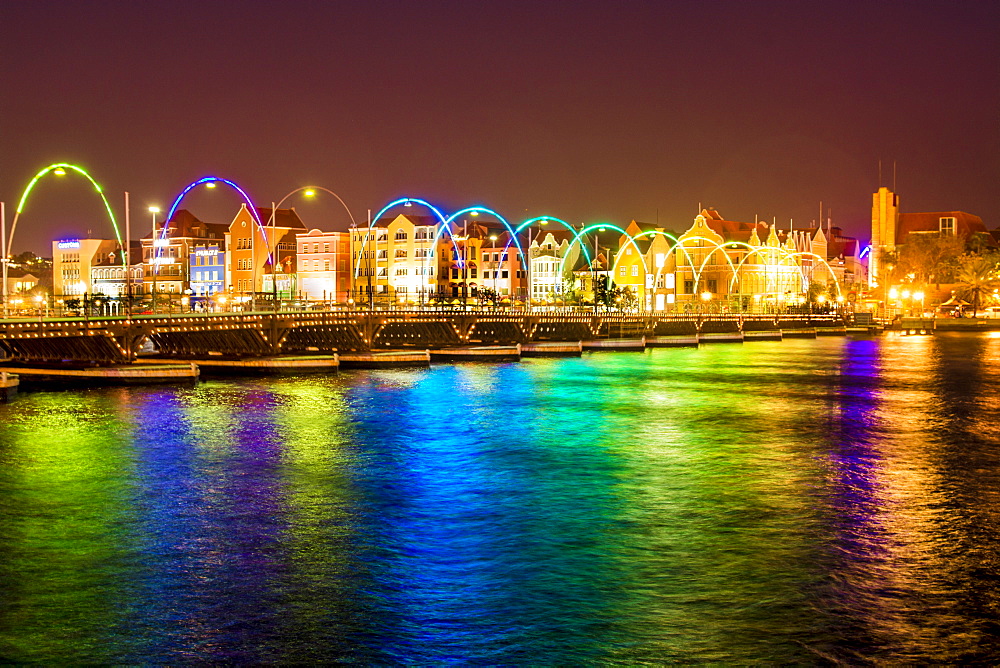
590, 111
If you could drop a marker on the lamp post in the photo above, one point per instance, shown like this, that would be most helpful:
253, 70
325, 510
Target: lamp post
308, 191
3, 253
153, 268
496, 268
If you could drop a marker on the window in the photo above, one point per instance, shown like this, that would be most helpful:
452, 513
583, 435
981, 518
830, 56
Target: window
400, 235
621, 270
326, 265
503, 274
670, 281
688, 287
712, 286
947, 226
400, 252
635, 270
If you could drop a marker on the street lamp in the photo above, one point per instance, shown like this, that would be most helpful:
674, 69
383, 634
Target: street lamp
153, 268
496, 268
308, 191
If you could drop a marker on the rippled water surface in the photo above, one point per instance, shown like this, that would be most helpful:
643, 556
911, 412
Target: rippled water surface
797, 501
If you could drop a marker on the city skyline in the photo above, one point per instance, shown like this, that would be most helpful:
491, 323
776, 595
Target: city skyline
579, 111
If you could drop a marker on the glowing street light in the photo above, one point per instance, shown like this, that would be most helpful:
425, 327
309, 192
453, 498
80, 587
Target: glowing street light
152, 245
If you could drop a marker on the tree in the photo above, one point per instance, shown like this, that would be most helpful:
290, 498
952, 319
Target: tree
977, 279
627, 300
488, 295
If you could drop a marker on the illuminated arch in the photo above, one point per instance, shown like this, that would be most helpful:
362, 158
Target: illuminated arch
821, 259
405, 201
672, 249
759, 250
631, 240
482, 209
79, 170
546, 219
214, 179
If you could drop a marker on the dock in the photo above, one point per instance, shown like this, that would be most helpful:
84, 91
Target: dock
552, 349
721, 337
385, 359
269, 366
799, 333
762, 335
672, 341
125, 374
8, 386
478, 354
619, 345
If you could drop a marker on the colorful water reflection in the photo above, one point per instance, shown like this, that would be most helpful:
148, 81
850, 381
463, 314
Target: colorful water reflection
796, 501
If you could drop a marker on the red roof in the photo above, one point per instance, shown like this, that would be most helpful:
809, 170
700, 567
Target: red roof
966, 224
286, 218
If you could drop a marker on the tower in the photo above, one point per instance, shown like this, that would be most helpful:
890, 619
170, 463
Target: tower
885, 216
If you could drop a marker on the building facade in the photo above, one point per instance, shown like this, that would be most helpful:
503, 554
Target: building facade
323, 263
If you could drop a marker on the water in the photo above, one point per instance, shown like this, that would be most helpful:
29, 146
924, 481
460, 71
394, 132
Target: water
787, 502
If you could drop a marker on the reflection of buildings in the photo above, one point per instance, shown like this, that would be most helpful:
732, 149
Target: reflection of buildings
890, 228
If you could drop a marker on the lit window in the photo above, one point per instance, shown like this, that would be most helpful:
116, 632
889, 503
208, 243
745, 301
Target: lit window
947, 226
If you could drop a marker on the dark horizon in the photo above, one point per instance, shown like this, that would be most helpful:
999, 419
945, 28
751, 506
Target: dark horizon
587, 111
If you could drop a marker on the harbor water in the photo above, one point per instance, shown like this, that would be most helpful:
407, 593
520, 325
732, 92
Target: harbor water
799, 501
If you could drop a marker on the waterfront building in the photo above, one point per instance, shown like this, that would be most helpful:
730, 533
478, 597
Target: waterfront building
73, 261
631, 269
110, 278
395, 261
207, 269
723, 264
262, 260
502, 268
324, 266
167, 254
553, 260
891, 229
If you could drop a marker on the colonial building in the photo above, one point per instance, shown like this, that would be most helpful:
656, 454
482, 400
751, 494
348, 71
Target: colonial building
110, 278
395, 261
262, 259
502, 267
73, 261
167, 255
207, 269
554, 258
324, 266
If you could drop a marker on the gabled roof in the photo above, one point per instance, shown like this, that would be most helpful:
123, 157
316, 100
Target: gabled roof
185, 224
286, 218
966, 224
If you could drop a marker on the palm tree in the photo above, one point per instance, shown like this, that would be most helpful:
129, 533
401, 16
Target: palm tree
977, 279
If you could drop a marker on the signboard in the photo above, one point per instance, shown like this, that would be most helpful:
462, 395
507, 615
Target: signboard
63, 245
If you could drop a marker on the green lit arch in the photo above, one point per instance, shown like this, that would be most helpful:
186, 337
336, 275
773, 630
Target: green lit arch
100, 191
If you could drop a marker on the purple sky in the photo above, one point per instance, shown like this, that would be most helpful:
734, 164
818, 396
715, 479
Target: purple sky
590, 111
